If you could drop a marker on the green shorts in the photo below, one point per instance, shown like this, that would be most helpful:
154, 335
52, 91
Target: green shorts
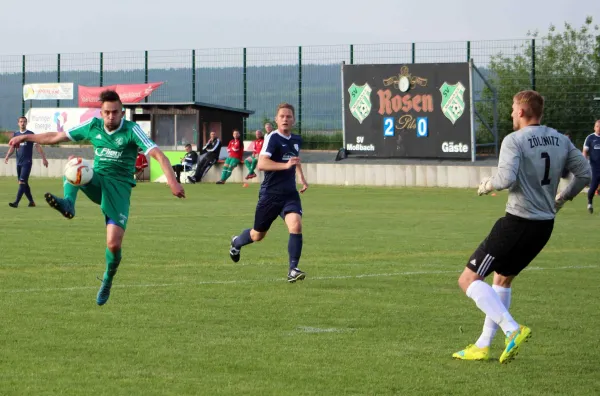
232, 162
113, 196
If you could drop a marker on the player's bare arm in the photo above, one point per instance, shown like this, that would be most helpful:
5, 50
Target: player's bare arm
266, 164
301, 177
586, 153
40, 138
42, 154
11, 150
167, 169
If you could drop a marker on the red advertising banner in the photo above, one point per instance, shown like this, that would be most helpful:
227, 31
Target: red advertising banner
129, 93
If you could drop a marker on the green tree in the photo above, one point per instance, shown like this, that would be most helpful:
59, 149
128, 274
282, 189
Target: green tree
566, 73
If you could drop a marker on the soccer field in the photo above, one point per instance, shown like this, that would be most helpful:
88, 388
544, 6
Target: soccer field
380, 312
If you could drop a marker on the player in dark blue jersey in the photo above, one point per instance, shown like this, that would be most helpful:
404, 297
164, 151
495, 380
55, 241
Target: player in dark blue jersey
591, 151
24, 163
278, 196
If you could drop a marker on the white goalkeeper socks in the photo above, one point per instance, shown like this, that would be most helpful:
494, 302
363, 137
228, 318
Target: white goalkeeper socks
489, 326
489, 302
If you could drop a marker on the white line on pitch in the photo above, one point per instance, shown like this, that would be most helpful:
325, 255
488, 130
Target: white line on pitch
236, 282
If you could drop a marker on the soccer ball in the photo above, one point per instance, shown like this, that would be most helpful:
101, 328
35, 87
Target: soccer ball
78, 171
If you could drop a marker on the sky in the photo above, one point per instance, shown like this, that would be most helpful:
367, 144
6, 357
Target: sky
69, 26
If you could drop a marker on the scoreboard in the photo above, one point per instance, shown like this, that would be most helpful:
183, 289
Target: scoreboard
408, 111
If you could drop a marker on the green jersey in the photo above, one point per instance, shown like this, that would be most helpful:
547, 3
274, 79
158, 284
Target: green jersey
116, 151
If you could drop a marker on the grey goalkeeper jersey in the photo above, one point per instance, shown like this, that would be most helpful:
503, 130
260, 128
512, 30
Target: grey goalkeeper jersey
531, 162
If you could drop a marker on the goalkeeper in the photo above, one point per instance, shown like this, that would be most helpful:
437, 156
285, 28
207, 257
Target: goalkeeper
531, 163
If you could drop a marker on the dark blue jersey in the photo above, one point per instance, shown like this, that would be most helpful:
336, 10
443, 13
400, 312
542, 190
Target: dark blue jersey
592, 143
25, 150
280, 148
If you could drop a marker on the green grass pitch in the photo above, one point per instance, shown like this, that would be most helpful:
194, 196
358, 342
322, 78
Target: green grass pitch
380, 312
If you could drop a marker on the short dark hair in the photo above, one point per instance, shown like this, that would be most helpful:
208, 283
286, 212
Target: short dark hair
188, 145
110, 96
23, 117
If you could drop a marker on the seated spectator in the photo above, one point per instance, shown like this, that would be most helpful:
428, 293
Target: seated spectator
253, 159
268, 128
235, 152
208, 156
141, 163
187, 162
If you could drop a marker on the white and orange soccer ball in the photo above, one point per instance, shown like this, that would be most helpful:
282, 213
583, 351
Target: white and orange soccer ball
78, 171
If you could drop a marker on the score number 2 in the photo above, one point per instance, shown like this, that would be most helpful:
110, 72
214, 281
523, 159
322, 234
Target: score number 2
388, 126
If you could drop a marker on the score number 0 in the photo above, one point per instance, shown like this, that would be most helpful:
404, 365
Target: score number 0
422, 127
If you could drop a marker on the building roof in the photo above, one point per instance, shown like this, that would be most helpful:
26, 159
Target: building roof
185, 104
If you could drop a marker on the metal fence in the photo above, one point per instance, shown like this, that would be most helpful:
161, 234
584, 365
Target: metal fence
251, 78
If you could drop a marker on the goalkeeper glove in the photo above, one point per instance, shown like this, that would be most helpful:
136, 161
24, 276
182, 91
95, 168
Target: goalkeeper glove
559, 202
485, 187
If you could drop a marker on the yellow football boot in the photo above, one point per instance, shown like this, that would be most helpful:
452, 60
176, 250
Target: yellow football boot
473, 352
513, 342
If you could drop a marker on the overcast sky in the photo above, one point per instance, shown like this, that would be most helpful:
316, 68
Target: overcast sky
69, 26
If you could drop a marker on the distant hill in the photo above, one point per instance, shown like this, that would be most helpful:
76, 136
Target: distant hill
266, 87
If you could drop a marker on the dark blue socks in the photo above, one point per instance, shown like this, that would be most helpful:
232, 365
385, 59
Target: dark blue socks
243, 239
295, 249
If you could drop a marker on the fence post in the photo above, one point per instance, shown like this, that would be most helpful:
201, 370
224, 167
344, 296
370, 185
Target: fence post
533, 64
58, 76
101, 69
351, 54
414, 55
468, 51
23, 83
146, 72
244, 133
194, 75
300, 90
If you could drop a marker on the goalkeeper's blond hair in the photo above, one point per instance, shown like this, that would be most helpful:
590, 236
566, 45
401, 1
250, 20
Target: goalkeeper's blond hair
531, 102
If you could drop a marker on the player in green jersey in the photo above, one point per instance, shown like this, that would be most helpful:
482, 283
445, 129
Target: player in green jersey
116, 143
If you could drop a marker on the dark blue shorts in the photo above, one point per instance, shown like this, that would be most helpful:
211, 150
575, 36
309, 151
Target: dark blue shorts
270, 206
23, 172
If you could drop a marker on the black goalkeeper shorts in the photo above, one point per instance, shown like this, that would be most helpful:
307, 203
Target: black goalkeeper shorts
512, 244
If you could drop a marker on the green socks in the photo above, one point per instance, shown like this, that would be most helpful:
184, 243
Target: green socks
112, 263
226, 173
70, 191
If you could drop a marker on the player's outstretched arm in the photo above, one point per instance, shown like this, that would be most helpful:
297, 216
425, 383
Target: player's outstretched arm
301, 178
40, 138
265, 163
167, 169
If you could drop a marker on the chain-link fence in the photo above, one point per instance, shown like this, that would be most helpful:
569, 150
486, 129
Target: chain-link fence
307, 77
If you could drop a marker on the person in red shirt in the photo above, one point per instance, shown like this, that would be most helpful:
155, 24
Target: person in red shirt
141, 163
253, 159
235, 152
